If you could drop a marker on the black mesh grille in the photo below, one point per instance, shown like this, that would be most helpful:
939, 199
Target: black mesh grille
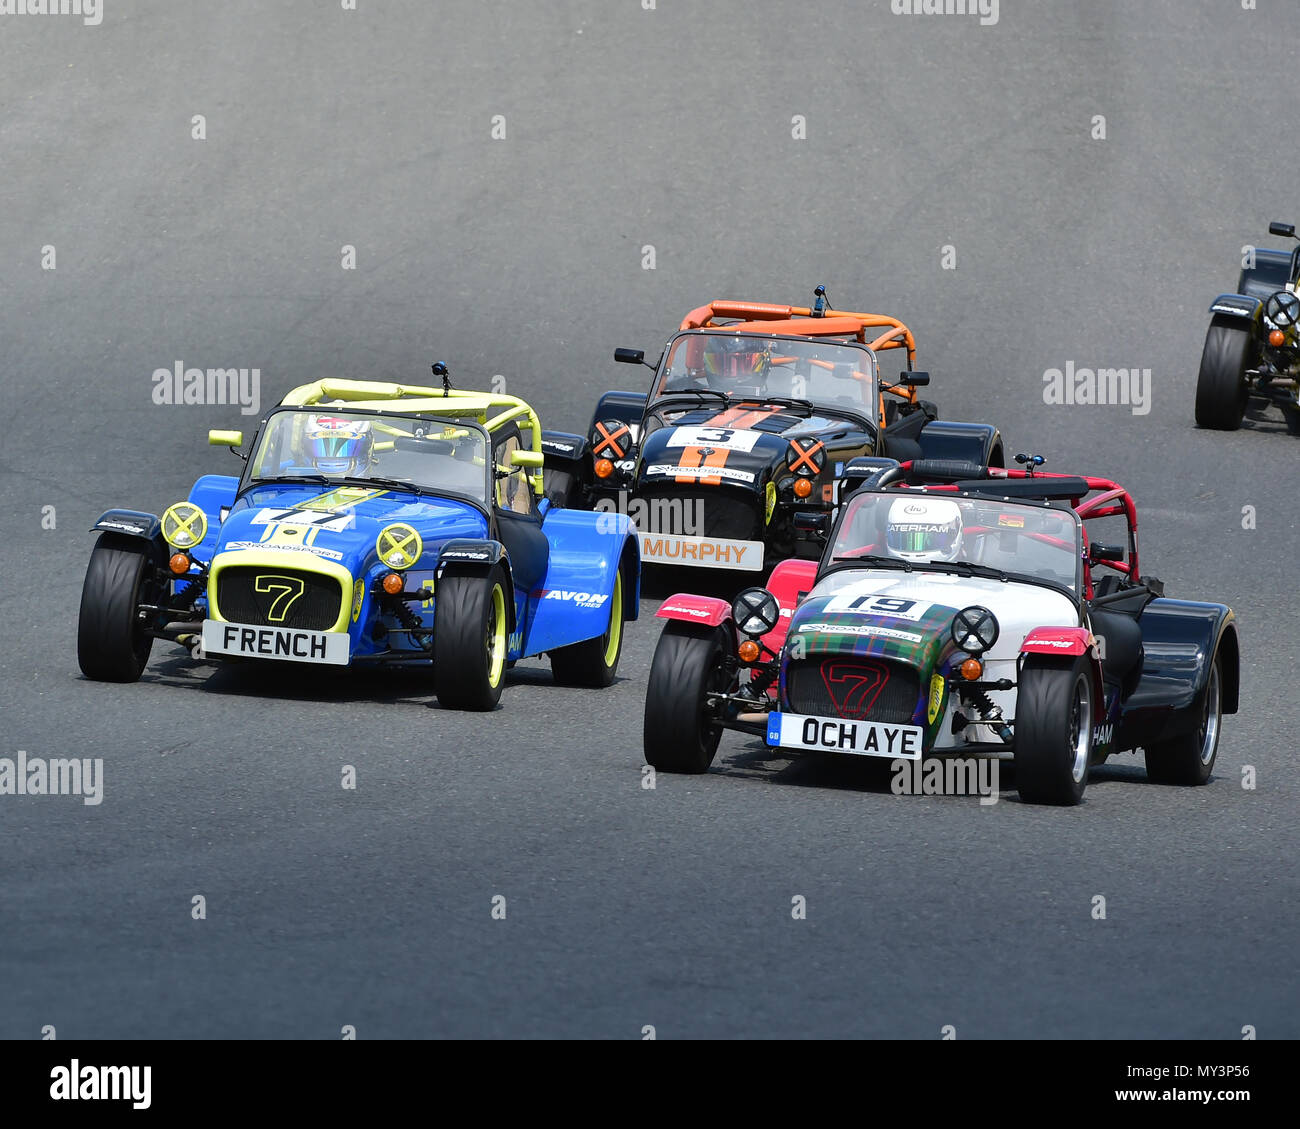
315, 609
859, 689
709, 512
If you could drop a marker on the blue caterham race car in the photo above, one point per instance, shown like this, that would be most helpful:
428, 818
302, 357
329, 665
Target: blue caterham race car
372, 523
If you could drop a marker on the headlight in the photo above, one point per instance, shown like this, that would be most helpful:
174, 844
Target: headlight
975, 629
399, 545
611, 439
184, 525
806, 457
757, 612
1283, 310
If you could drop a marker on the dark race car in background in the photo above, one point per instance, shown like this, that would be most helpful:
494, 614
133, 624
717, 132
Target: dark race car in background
1252, 348
733, 457
956, 612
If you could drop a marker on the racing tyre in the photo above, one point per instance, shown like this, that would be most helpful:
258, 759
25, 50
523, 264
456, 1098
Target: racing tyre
594, 662
1189, 758
688, 663
1053, 730
112, 645
1221, 390
470, 631
1292, 416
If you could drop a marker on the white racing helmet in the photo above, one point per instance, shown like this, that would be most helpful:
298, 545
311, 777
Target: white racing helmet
924, 529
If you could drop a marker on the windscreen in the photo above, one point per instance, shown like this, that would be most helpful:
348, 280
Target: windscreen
828, 373
1041, 542
429, 454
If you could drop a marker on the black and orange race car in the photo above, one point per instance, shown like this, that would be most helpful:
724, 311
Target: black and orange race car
755, 413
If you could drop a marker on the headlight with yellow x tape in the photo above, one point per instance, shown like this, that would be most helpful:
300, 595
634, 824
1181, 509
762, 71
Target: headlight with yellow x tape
184, 525
399, 546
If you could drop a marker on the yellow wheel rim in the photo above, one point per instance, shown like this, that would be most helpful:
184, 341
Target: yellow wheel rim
615, 620
496, 637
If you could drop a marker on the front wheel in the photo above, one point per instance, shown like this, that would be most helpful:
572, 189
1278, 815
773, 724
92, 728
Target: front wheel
470, 627
594, 662
680, 733
112, 644
1053, 730
1221, 389
1189, 758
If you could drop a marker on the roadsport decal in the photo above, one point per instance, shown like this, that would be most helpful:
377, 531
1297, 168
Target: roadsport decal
328, 554
862, 629
724, 437
702, 472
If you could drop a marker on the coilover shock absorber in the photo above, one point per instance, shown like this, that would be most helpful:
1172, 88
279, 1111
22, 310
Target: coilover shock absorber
989, 713
413, 623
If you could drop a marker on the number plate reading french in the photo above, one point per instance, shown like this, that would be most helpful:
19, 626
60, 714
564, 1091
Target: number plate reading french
836, 735
275, 643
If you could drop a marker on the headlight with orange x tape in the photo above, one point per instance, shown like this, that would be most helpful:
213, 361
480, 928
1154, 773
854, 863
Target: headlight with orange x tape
612, 439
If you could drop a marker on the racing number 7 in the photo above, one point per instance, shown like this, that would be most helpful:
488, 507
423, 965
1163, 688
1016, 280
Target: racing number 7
289, 587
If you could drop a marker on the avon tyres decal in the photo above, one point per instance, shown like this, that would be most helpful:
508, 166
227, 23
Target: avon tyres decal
581, 599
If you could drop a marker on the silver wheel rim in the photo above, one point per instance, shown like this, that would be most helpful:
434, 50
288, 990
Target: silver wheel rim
1080, 729
1210, 722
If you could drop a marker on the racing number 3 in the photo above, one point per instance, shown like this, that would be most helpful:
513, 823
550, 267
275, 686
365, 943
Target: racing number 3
289, 587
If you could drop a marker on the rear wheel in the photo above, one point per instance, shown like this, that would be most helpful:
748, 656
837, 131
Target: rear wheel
112, 645
1221, 390
594, 662
679, 734
1053, 730
1189, 758
470, 629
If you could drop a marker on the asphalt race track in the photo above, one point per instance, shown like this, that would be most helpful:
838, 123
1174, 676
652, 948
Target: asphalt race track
630, 135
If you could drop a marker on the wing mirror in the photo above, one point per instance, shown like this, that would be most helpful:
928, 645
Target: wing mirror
1285, 230
232, 439
1099, 553
629, 356
914, 379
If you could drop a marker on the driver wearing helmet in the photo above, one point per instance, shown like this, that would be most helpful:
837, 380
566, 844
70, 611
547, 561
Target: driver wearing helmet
922, 530
339, 446
735, 364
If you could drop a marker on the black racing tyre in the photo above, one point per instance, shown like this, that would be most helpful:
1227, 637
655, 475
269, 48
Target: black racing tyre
1292, 417
112, 645
594, 662
689, 662
1221, 389
1053, 730
471, 628
1189, 758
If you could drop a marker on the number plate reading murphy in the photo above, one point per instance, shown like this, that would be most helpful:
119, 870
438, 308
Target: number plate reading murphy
275, 643
836, 735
